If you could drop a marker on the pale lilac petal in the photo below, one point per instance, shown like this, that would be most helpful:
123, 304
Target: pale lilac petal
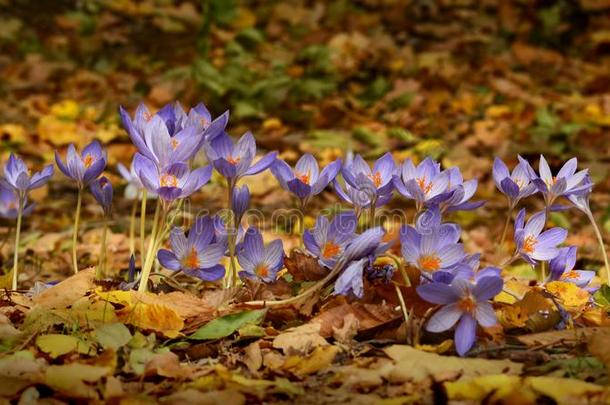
487, 288
168, 260
444, 318
465, 334
438, 293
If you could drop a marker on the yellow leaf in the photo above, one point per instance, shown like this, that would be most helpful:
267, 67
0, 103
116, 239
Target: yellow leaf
13, 133
496, 111
71, 379
56, 345
67, 110
320, 359
57, 131
567, 390
6, 281
571, 296
477, 389
106, 135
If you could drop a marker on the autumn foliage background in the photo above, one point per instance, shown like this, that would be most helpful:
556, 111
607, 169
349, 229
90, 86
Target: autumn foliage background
461, 81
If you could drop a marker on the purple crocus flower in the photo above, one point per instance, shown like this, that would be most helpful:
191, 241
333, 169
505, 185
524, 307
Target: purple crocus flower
424, 183
196, 255
358, 174
565, 183
580, 199
515, 185
437, 249
305, 180
351, 281
257, 260
328, 239
173, 182
102, 191
9, 203
83, 168
240, 201
562, 268
464, 303
532, 243
17, 175
134, 187
234, 161
171, 136
460, 193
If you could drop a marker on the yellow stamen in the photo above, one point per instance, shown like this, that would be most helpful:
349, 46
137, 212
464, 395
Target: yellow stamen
175, 143
376, 177
570, 275
168, 180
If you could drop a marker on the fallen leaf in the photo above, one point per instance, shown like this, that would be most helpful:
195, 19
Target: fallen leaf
300, 340
321, 358
228, 324
57, 345
112, 336
65, 293
71, 379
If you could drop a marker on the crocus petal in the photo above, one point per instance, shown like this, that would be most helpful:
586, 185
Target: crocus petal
499, 172
552, 237
168, 259
438, 293
568, 169
262, 164
282, 172
465, 334
207, 274
535, 224
487, 288
545, 171
485, 315
444, 318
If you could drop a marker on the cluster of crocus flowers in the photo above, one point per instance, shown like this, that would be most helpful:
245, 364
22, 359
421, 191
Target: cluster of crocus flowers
15, 186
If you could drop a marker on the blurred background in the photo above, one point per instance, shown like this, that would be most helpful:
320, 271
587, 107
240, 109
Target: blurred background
459, 80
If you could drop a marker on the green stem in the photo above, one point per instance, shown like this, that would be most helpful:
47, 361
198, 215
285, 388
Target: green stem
372, 212
148, 262
232, 236
17, 238
101, 266
506, 225
600, 240
79, 201
132, 227
143, 224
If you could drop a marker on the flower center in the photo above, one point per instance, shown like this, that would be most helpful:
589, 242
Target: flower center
191, 261
203, 122
376, 177
467, 304
551, 182
425, 187
529, 244
174, 143
233, 160
88, 160
147, 116
262, 270
429, 262
304, 177
570, 275
168, 180
330, 249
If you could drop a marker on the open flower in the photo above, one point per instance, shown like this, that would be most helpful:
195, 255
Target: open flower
102, 191
196, 255
562, 268
424, 183
434, 249
9, 203
17, 175
305, 180
173, 182
170, 136
328, 239
464, 303
134, 187
234, 161
532, 243
515, 185
83, 168
566, 182
460, 193
257, 260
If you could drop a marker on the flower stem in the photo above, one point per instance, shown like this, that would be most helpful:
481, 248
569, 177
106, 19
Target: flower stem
79, 200
17, 237
231, 236
506, 225
148, 262
101, 266
600, 240
143, 224
372, 212
132, 227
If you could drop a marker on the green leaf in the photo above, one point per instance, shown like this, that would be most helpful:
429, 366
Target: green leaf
112, 336
225, 326
602, 296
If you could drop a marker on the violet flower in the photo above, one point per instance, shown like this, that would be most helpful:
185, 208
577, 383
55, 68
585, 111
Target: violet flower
9, 203
306, 180
135, 188
328, 239
174, 181
424, 183
83, 168
562, 268
234, 161
533, 244
372, 184
257, 260
580, 199
102, 191
464, 303
240, 202
196, 255
566, 182
17, 176
515, 185
460, 193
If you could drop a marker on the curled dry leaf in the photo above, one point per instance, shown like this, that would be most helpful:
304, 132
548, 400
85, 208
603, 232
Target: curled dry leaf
300, 340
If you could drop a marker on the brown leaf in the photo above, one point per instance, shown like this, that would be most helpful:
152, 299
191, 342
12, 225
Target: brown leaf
304, 267
558, 336
368, 315
68, 291
300, 340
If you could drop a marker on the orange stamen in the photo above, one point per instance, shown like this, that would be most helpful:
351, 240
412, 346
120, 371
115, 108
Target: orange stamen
529, 244
467, 304
262, 270
174, 143
88, 161
425, 187
168, 180
376, 177
147, 116
233, 160
570, 275
429, 262
330, 249
304, 177
191, 261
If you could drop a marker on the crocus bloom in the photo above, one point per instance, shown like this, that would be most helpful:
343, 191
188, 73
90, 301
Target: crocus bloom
305, 180
565, 183
173, 182
351, 281
234, 161
436, 250
375, 181
134, 187
532, 243
460, 193
196, 255
562, 268
328, 239
170, 136
17, 175
9, 203
515, 185
240, 201
580, 199
83, 168
102, 191
463, 303
257, 260
424, 183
